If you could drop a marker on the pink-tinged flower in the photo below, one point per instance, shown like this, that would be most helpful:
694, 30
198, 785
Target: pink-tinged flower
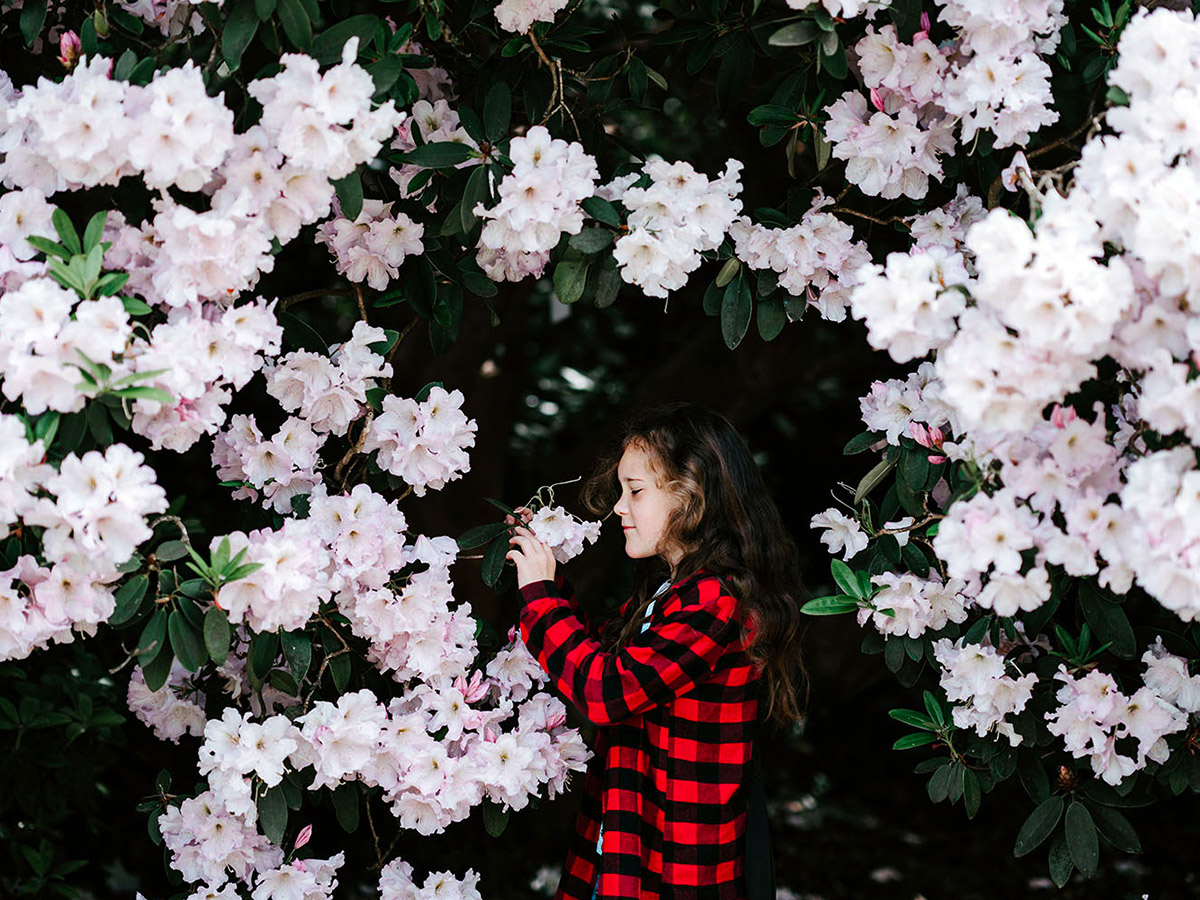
303, 837
1018, 171
69, 48
930, 438
1062, 416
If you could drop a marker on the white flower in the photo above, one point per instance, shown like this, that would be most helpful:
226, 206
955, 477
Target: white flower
841, 532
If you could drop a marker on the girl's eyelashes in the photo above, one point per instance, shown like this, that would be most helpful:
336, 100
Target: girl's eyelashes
636, 491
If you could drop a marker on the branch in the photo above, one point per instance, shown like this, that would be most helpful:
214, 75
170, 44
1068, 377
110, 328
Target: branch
288, 302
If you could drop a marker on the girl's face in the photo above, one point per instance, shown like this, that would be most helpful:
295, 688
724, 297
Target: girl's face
644, 507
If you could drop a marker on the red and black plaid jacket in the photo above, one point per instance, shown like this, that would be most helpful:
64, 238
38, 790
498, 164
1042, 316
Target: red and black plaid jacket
678, 709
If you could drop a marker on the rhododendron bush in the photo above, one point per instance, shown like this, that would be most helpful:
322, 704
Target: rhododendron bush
1006, 195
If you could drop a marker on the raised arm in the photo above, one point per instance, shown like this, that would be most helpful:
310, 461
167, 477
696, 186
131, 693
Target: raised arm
680, 648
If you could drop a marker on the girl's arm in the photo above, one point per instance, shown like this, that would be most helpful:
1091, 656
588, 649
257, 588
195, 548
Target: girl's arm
663, 662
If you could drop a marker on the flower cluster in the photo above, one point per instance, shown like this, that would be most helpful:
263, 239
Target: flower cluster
197, 356
680, 215
373, 246
562, 532
171, 17
282, 467
48, 335
330, 393
818, 254
424, 443
168, 712
207, 842
974, 677
396, 883
519, 15
917, 605
1094, 715
539, 202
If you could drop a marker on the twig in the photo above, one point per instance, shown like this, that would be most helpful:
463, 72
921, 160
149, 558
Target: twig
362, 308
400, 340
289, 302
178, 524
374, 836
358, 445
863, 215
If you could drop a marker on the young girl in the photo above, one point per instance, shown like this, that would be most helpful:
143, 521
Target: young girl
681, 679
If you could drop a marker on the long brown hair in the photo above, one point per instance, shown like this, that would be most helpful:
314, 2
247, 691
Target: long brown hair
725, 523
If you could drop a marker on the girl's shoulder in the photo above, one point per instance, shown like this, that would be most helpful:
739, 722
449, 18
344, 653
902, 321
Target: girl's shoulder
701, 589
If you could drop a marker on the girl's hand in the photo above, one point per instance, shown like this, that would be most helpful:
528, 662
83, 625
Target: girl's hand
533, 559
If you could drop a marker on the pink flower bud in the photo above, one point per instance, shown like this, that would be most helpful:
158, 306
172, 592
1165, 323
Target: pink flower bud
920, 434
935, 460
877, 99
925, 22
303, 837
1062, 416
69, 47
936, 436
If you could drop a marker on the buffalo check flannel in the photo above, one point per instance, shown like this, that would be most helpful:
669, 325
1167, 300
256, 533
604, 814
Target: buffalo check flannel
678, 714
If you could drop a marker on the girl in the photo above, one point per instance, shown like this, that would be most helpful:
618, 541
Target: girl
680, 680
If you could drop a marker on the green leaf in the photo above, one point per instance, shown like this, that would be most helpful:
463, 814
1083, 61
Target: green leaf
327, 46
736, 309
238, 33
591, 240
156, 671
732, 266
795, 35
33, 17
1108, 620
829, 606
349, 190
296, 24
135, 307
94, 231
909, 741
49, 247
297, 650
608, 285
438, 155
129, 598
772, 115
1041, 822
217, 634
1082, 839
771, 318
844, 577
602, 211
912, 718
933, 706
481, 534
495, 818
494, 559
1061, 864
497, 111
340, 669
66, 231
972, 793
860, 442
264, 9
169, 551
939, 783
110, 284
385, 73
186, 642
264, 647
872, 479
153, 637
273, 814
570, 278
345, 805
1116, 828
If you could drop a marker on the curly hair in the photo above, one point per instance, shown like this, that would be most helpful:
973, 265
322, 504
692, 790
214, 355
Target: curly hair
723, 522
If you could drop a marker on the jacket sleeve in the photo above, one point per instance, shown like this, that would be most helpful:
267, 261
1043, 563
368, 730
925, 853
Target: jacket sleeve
681, 647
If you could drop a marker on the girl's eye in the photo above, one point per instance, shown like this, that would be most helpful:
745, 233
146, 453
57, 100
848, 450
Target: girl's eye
638, 491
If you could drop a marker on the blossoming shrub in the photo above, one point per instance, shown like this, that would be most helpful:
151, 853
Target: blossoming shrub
169, 173
1026, 537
